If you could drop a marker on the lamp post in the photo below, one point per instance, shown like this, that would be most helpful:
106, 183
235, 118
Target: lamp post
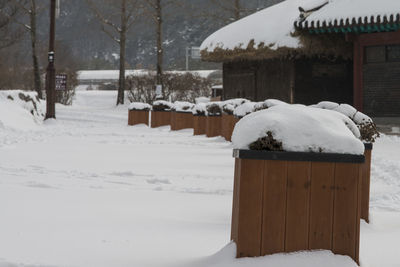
51, 71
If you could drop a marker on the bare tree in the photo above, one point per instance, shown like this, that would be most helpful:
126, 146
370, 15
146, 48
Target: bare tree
116, 18
156, 12
30, 9
8, 33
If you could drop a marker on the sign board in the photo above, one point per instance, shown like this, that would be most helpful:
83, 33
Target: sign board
195, 52
158, 90
61, 82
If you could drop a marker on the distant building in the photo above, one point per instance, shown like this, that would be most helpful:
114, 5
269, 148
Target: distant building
342, 51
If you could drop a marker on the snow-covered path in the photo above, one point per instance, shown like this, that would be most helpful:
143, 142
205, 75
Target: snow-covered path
87, 190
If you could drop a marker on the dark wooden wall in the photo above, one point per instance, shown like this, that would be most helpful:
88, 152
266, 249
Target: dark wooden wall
257, 80
318, 80
300, 81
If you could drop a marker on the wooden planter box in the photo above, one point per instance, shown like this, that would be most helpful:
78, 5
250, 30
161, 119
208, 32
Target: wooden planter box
199, 124
366, 180
227, 125
213, 126
160, 118
138, 117
181, 120
285, 202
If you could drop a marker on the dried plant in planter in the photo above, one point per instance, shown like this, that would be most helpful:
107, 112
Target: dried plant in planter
214, 109
369, 132
228, 109
260, 106
161, 107
267, 143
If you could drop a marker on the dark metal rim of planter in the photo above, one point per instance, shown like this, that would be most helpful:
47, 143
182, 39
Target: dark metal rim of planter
160, 110
184, 112
139, 109
368, 146
297, 156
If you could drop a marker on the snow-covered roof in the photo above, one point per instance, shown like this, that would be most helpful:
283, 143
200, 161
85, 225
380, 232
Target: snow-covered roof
348, 12
271, 27
272, 32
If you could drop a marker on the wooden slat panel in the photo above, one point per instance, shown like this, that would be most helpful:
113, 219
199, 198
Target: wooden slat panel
213, 126
250, 208
321, 205
274, 207
366, 179
346, 209
235, 203
159, 119
297, 210
359, 196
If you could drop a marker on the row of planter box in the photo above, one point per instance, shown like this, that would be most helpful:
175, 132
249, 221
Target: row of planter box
211, 126
286, 201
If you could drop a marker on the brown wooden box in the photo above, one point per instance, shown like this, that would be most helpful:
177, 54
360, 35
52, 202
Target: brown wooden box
227, 125
213, 126
366, 180
181, 120
199, 124
160, 118
286, 201
138, 117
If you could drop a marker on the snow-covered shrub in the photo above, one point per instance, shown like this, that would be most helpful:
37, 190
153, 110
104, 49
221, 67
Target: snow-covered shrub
367, 127
214, 109
229, 106
139, 106
20, 109
244, 109
182, 106
299, 129
162, 105
200, 109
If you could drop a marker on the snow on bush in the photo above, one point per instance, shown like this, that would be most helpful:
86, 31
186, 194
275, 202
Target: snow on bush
202, 99
139, 106
182, 106
162, 105
299, 129
244, 109
365, 124
267, 104
200, 109
229, 106
214, 109
20, 109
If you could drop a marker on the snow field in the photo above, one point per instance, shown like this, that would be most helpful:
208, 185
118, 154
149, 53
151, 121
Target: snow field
87, 190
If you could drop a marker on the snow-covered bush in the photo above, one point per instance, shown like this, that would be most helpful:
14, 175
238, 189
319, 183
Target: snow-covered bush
20, 109
200, 109
244, 109
367, 127
299, 129
229, 106
162, 105
214, 109
139, 106
182, 106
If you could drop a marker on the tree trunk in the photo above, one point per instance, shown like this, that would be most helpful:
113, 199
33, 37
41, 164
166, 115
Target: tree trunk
122, 45
160, 51
237, 10
36, 69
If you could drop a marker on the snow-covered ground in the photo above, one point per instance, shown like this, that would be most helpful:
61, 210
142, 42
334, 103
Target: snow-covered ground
87, 190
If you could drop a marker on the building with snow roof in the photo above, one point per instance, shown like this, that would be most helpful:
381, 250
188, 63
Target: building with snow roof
305, 51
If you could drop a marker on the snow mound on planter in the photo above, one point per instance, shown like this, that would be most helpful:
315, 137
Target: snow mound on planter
182, 106
200, 109
300, 129
229, 106
162, 105
139, 106
244, 109
20, 110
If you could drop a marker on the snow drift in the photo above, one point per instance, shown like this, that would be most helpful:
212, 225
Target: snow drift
20, 110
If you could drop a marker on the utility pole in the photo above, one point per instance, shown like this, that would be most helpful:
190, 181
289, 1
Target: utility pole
51, 71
